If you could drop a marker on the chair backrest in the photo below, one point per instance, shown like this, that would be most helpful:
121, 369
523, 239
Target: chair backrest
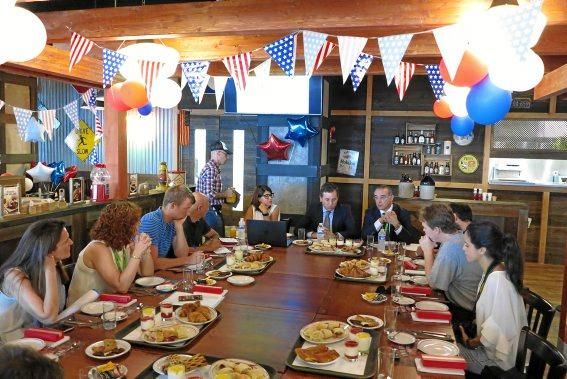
539, 311
542, 354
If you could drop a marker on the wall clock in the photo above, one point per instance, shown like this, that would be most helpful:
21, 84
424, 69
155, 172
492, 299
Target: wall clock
468, 163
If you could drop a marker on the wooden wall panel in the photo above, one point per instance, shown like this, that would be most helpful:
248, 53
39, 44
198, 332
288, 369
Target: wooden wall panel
341, 96
557, 228
418, 97
351, 194
349, 134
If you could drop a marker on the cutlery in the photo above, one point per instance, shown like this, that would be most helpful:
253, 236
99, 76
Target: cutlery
74, 345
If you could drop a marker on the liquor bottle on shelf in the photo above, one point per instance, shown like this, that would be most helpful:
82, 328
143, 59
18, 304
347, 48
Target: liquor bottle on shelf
479, 194
426, 168
403, 139
397, 139
474, 194
419, 159
416, 192
428, 149
432, 138
414, 159
447, 169
401, 160
396, 158
421, 138
410, 138
441, 169
436, 169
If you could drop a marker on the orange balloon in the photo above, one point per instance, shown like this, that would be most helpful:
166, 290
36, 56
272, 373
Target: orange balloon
441, 109
471, 70
114, 100
133, 93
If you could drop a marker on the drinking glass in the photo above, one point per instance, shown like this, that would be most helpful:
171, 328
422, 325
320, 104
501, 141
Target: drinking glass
301, 233
108, 316
385, 362
399, 270
390, 317
395, 288
187, 279
333, 240
200, 264
230, 260
369, 240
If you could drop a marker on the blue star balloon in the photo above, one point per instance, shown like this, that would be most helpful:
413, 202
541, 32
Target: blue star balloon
300, 130
59, 172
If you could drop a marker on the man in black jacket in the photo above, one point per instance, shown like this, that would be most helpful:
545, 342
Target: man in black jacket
392, 217
335, 217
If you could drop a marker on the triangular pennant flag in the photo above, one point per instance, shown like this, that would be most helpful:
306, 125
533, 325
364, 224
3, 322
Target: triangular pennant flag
98, 128
47, 118
357, 73
392, 50
263, 69
282, 52
111, 63
349, 51
403, 77
150, 71
238, 66
452, 44
80, 46
1, 104
198, 84
435, 79
323, 53
89, 97
312, 43
22, 117
220, 84
183, 81
33, 131
519, 27
93, 157
194, 67
72, 111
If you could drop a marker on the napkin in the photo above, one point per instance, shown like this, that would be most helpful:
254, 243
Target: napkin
45, 334
228, 241
115, 298
415, 272
207, 289
443, 362
433, 315
409, 265
435, 370
415, 317
418, 290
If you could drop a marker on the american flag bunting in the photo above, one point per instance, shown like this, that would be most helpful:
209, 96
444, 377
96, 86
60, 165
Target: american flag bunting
150, 70
111, 63
72, 111
220, 84
98, 128
238, 66
93, 156
263, 69
22, 117
33, 131
349, 51
47, 118
435, 79
357, 73
452, 45
312, 44
182, 128
403, 77
80, 46
323, 53
392, 50
198, 84
89, 97
195, 68
282, 52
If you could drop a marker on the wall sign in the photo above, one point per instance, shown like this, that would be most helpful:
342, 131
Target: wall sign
348, 161
468, 163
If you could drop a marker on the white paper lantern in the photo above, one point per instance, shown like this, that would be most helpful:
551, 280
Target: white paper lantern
22, 35
166, 93
150, 52
514, 75
457, 99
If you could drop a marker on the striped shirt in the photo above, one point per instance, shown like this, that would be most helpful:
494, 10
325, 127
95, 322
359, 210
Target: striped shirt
161, 233
210, 182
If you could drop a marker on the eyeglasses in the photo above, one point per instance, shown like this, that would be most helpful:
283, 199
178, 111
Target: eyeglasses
383, 197
268, 195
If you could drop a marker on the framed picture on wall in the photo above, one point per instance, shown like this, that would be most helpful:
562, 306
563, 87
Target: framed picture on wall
11, 198
133, 183
76, 190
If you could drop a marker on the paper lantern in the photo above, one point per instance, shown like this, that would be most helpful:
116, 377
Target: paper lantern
166, 93
462, 126
515, 75
488, 104
149, 52
22, 34
457, 99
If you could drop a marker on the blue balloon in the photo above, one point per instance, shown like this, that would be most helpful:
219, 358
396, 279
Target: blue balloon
146, 109
462, 126
488, 104
300, 130
59, 172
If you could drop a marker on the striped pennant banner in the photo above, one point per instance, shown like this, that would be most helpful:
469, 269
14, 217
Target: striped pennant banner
150, 70
238, 66
403, 77
349, 51
47, 118
80, 46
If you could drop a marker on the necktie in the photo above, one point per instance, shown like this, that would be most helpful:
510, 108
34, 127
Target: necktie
327, 220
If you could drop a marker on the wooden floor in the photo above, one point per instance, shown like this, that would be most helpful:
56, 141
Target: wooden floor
546, 281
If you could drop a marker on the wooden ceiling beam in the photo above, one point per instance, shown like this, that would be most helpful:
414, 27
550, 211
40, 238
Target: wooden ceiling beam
553, 83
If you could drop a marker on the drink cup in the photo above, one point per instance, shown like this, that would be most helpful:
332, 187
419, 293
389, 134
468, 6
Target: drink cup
230, 260
390, 317
166, 310
364, 339
385, 363
301, 233
187, 279
239, 255
351, 350
200, 264
369, 240
108, 316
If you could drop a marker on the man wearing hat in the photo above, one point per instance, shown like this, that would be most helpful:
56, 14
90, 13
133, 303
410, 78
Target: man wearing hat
210, 185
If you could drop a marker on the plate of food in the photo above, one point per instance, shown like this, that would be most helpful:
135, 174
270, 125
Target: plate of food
119, 315
259, 257
150, 281
206, 281
374, 298
318, 355
218, 274
240, 280
231, 367
263, 246
427, 305
420, 280
108, 370
402, 300
322, 246
247, 266
108, 349
365, 321
191, 362
354, 269
195, 314
302, 242
170, 334
95, 308
166, 288
324, 332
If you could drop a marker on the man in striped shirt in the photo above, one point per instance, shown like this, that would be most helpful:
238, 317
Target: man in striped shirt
165, 228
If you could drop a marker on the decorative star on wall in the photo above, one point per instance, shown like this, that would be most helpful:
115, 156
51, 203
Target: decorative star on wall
275, 148
300, 130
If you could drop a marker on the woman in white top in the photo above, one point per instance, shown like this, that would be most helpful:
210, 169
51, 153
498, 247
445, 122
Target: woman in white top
262, 207
30, 287
500, 311
115, 255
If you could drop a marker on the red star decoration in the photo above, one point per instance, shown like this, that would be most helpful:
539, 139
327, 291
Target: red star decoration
275, 148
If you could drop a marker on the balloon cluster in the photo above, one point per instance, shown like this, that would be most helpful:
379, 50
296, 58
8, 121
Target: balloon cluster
481, 89
55, 172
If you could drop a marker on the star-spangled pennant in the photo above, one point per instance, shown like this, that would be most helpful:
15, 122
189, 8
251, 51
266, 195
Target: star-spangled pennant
520, 25
89, 97
392, 50
263, 69
22, 117
47, 118
357, 73
349, 51
403, 77
282, 52
435, 79
1, 104
98, 128
80, 46
452, 45
312, 44
150, 71
111, 63
220, 84
195, 67
238, 66
33, 131
72, 111
323, 53
93, 157
198, 84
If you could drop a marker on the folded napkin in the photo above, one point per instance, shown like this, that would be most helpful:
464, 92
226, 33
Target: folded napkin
45, 334
409, 265
418, 290
415, 317
433, 315
228, 241
207, 289
436, 370
443, 362
415, 272
115, 298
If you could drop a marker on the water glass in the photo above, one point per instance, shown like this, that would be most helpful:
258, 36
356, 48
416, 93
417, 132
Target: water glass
301, 233
385, 363
108, 316
200, 263
230, 260
187, 279
369, 240
390, 317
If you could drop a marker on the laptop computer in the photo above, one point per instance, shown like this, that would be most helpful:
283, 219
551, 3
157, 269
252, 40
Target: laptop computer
271, 232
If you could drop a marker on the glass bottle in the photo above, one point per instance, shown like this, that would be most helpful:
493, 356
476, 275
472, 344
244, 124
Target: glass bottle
436, 169
162, 177
396, 158
403, 139
410, 138
447, 169
419, 159
421, 138
432, 138
441, 169
414, 159
426, 168
397, 139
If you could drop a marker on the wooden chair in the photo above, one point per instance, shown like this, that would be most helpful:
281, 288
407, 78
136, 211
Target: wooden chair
539, 311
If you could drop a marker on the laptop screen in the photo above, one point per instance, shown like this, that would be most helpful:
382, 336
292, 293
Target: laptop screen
271, 232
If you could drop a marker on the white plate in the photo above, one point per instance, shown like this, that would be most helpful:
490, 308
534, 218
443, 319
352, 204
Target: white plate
166, 288
343, 325
228, 241
95, 308
34, 343
302, 243
317, 364
160, 362
215, 367
150, 281
427, 305
119, 343
419, 261
186, 321
263, 246
402, 338
240, 280
192, 330
421, 280
379, 298
93, 374
403, 278
402, 300
211, 274
378, 320
120, 315
438, 347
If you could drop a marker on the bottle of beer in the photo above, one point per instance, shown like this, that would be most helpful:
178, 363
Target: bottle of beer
397, 139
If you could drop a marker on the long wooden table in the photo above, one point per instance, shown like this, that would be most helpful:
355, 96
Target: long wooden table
261, 322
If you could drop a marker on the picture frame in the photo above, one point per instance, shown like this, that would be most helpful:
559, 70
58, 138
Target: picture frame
13, 180
133, 184
76, 190
11, 200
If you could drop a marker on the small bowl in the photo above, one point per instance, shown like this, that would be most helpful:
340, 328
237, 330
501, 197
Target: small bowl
166, 287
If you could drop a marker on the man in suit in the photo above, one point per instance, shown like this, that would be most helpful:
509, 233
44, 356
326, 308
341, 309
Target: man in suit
386, 214
335, 217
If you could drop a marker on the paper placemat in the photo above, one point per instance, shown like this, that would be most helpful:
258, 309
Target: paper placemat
434, 321
209, 299
414, 272
341, 365
57, 343
434, 370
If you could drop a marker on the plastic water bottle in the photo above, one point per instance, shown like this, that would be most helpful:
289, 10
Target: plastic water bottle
100, 188
382, 239
241, 232
320, 232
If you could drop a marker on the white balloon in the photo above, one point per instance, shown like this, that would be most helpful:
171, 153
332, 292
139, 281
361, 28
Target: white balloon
40, 173
514, 75
28, 184
22, 35
457, 99
166, 93
150, 52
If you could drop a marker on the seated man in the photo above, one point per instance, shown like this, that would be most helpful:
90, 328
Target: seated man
449, 271
195, 227
335, 217
165, 228
463, 215
386, 214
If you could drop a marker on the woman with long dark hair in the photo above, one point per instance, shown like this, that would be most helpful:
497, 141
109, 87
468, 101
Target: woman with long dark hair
30, 286
499, 309
262, 206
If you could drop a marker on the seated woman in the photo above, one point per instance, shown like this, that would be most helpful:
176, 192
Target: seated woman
500, 312
262, 207
115, 255
30, 287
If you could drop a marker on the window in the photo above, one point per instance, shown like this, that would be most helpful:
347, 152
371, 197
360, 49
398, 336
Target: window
238, 165
200, 152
